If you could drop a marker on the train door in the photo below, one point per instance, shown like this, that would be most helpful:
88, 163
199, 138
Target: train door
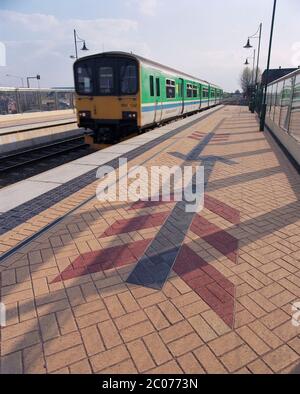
181, 94
151, 111
200, 96
158, 99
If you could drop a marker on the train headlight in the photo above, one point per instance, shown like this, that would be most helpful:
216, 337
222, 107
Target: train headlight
84, 114
128, 115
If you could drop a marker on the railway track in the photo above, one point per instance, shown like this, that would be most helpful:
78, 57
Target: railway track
29, 162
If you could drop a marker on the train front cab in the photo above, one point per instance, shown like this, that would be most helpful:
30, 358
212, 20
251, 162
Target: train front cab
107, 95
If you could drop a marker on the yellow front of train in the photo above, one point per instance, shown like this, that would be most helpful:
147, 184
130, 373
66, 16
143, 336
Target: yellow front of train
107, 95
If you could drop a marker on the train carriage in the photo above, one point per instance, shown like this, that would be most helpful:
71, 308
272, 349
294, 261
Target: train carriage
119, 93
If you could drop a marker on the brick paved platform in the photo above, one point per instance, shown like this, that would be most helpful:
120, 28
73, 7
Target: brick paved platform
229, 275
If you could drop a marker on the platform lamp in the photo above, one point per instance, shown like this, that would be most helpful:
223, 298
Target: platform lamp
247, 64
264, 103
77, 40
257, 35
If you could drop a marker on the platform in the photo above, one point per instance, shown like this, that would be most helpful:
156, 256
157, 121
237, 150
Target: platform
23, 131
74, 276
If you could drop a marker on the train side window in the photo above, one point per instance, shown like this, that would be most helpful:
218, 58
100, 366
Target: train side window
195, 91
170, 88
106, 80
205, 93
189, 90
157, 87
151, 79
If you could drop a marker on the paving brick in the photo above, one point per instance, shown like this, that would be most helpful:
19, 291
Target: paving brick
139, 330
140, 355
190, 364
124, 367
295, 345
280, 358
66, 321
205, 332
225, 344
128, 302
27, 310
218, 325
65, 358
109, 334
12, 364
88, 307
172, 314
33, 358
263, 302
109, 358
81, 367
20, 342
252, 306
157, 318
92, 340
8, 277
275, 318
286, 331
18, 329
40, 286
171, 367
63, 342
92, 318
265, 334
75, 296
193, 309
157, 348
209, 361
49, 327
89, 291
176, 331
114, 306
238, 358
152, 299
259, 367
253, 340
185, 344
130, 319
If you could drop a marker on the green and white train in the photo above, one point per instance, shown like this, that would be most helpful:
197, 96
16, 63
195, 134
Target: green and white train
119, 93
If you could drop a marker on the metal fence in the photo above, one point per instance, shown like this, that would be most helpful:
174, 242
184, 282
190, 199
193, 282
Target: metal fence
283, 104
22, 100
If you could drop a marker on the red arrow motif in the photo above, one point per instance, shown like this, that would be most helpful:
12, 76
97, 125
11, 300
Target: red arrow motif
211, 285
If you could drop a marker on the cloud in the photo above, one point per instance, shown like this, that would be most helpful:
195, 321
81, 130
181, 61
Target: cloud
148, 7
41, 42
145, 7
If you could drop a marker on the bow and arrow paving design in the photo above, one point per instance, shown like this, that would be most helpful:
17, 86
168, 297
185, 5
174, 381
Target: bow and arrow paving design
155, 258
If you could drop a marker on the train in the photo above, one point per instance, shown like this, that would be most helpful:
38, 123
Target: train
119, 93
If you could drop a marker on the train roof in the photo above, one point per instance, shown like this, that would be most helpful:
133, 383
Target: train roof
152, 63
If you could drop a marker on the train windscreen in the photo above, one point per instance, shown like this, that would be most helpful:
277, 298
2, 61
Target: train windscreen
107, 76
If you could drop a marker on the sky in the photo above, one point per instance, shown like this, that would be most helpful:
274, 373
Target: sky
200, 37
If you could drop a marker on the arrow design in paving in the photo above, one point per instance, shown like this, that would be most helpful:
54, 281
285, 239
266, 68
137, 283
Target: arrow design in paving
204, 279
154, 267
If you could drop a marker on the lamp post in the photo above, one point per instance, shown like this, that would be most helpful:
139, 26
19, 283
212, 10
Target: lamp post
38, 77
257, 35
264, 103
16, 76
247, 64
251, 89
77, 40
